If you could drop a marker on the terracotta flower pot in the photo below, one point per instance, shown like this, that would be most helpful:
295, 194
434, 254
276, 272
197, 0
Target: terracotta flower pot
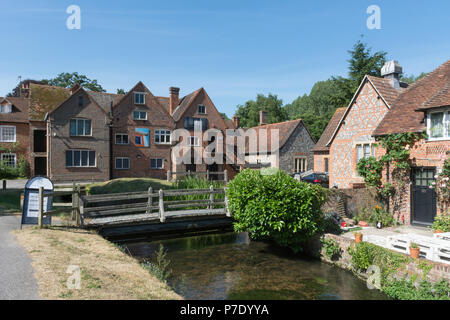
358, 238
414, 252
363, 224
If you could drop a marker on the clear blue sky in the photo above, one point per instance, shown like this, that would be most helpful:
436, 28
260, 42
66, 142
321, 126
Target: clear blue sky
234, 49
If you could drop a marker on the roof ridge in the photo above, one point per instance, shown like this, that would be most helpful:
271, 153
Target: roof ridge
416, 83
269, 124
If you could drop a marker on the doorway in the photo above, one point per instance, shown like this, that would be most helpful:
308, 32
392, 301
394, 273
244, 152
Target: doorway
40, 166
423, 202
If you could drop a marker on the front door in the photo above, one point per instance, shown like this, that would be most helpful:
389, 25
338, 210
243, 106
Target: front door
423, 197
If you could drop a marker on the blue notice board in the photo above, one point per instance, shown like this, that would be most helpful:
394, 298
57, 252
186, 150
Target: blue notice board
31, 200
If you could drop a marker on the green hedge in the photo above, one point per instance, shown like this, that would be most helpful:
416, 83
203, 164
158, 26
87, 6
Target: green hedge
20, 171
274, 206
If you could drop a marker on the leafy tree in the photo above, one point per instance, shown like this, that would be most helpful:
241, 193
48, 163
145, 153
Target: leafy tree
412, 78
249, 112
224, 116
121, 91
68, 80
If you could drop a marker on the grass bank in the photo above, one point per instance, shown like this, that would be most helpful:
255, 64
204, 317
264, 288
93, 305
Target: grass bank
127, 185
9, 201
106, 272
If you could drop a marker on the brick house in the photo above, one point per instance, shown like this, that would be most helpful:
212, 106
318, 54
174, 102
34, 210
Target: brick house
423, 107
295, 146
322, 150
352, 138
78, 132
14, 130
141, 132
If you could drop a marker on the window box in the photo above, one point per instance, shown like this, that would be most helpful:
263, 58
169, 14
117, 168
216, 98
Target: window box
7, 134
80, 127
80, 158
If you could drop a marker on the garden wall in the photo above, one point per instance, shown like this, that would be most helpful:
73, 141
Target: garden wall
355, 200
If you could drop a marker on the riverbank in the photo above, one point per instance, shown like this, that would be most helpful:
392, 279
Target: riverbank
105, 271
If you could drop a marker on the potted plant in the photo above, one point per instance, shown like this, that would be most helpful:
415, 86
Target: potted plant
358, 237
414, 250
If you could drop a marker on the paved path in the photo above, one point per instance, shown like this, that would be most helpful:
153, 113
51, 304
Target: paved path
16, 274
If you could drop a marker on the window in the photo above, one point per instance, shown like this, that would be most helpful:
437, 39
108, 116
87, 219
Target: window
201, 109
140, 115
438, 125
80, 127
139, 98
5, 108
80, 158
9, 159
325, 164
193, 141
162, 136
365, 151
122, 138
200, 124
122, 163
300, 164
156, 163
7, 134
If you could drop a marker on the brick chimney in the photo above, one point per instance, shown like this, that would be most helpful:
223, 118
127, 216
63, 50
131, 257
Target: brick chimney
74, 88
392, 71
236, 121
173, 99
262, 117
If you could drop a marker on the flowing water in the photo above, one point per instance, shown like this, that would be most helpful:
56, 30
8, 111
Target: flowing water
230, 266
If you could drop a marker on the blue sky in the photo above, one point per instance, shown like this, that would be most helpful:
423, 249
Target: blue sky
234, 49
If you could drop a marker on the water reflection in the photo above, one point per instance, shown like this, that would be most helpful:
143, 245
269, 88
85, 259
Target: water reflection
230, 266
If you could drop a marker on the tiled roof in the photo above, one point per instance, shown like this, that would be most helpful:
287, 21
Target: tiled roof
384, 87
285, 130
164, 101
19, 111
440, 99
229, 123
44, 99
321, 145
184, 104
104, 99
402, 116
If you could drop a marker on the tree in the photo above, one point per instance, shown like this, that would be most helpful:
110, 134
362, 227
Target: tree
412, 78
249, 112
68, 80
224, 116
121, 91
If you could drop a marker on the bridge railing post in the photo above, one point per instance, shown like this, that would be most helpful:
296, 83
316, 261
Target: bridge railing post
150, 201
162, 218
169, 175
227, 211
211, 197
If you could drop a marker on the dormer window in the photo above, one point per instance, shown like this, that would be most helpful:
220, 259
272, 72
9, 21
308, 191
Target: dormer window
438, 125
201, 109
139, 98
139, 115
5, 108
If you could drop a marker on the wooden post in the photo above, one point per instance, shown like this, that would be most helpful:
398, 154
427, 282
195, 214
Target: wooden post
74, 200
169, 175
150, 199
80, 210
227, 211
225, 176
211, 197
161, 206
41, 206
4, 184
189, 173
207, 174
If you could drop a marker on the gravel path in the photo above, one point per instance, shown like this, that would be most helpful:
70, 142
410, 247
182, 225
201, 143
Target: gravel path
17, 281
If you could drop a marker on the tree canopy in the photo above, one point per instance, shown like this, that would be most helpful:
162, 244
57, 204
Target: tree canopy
68, 80
249, 112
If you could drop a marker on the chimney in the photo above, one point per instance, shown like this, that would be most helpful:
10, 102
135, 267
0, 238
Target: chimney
74, 88
392, 71
262, 117
236, 121
173, 99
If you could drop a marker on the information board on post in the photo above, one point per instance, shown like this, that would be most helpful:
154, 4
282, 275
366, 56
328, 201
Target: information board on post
30, 209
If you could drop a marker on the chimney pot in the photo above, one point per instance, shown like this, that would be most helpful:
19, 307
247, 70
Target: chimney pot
392, 70
262, 117
173, 99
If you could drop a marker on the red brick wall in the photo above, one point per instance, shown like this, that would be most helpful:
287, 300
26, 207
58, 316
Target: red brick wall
22, 140
123, 122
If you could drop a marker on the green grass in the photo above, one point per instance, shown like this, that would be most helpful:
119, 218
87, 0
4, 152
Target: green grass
9, 201
127, 185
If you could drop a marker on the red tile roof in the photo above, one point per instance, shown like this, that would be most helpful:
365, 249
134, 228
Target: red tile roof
19, 110
184, 104
44, 99
385, 88
431, 90
322, 144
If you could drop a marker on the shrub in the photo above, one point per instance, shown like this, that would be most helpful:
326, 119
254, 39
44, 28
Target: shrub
159, 268
381, 215
370, 169
330, 247
20, 171
442, 223
276, 207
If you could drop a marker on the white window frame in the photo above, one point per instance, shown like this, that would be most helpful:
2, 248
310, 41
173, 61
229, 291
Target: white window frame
121, 134
198, 109
9, 154
122, 158
136, 94
162, 133
445, 122
81, 166
157, 168
1, 134
302, 161
8, 108
140, 112
77, 120
196, 141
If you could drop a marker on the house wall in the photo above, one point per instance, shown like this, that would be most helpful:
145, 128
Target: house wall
22, 140
36, 125
363, 117
319, 162
60, 141
299, 144
139, 156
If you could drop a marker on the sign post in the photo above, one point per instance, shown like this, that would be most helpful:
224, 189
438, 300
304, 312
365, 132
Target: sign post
35, 204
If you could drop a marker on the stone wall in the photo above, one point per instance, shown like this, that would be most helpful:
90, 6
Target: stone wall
299, 144
355, 200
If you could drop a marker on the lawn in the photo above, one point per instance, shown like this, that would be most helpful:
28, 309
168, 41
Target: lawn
9, 201
127, 185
